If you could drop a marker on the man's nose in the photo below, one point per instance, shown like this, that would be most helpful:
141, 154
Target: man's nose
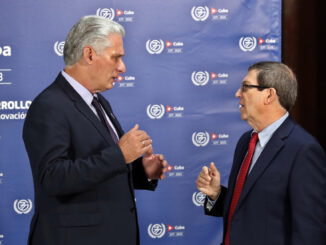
238, 93
121, 67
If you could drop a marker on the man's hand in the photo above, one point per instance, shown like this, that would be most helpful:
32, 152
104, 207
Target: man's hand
209, 181
154, 165
134, 144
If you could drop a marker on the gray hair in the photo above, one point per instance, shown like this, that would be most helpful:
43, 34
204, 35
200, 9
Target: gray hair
280, 77
89, 30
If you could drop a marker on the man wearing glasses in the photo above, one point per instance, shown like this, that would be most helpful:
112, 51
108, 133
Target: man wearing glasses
276, 191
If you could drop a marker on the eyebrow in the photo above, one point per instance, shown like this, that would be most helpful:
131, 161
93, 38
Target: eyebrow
118, 55
245, 82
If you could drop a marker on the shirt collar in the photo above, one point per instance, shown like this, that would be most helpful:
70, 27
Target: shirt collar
265, 135
80, 89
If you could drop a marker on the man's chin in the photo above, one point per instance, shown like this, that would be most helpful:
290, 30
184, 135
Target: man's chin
110, 86
243, 117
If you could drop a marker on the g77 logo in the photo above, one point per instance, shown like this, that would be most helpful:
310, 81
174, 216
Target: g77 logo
200, 139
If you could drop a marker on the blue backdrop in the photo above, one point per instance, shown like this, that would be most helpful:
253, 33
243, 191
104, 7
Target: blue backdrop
185, 60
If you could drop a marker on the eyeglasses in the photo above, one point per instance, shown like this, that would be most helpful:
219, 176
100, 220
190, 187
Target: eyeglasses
244, 86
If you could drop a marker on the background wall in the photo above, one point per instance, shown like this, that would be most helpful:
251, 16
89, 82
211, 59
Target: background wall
193, 79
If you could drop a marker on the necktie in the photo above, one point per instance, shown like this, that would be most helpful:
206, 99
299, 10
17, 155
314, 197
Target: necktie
103, 118
240, 182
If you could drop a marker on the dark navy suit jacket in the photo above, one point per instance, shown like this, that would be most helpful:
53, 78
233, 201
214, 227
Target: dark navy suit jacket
283, 201
84, 190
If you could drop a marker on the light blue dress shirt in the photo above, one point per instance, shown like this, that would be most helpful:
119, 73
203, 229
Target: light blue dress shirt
264, 136
87, 97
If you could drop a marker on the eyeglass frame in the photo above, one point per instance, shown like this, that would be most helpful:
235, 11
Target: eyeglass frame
260, 88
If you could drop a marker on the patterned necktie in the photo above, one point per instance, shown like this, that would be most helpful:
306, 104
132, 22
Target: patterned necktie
103, 118
240, 182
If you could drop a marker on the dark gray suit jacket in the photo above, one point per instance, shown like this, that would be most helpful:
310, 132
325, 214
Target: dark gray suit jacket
283, 201
84, 190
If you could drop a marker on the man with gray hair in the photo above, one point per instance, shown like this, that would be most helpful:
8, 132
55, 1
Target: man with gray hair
85, 168
276, 191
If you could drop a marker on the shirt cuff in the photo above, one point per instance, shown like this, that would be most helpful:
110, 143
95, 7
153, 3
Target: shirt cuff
210, 203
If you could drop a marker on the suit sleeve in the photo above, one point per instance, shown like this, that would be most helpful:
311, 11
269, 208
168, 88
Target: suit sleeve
140, 179
218, 208
48, 136
307, 190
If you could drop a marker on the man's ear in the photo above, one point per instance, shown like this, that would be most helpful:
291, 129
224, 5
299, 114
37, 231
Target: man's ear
271, 95
88, 54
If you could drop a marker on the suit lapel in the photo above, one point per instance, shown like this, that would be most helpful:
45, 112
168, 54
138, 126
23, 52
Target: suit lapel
275, 144
107, 107
84, 108
108, 110
241, 151
89, 114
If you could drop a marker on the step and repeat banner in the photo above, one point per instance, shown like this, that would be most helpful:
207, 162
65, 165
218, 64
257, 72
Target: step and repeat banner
185, 61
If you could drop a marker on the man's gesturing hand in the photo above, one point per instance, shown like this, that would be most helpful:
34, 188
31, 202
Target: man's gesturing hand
209, 182
134, 144
154, 165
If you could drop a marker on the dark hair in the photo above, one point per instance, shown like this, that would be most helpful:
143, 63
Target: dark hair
280, 77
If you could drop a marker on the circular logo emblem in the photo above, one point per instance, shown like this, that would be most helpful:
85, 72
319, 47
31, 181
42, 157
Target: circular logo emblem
154, 46
155, 111
59, 47
200, 13
156, 230
247, 44
198, 198
23, 206
200, 139
106, 13
200, 78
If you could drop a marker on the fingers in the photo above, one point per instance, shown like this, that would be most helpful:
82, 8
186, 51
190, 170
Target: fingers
208, 181
135, 128
204, 178
205, 170
146, 148
164, 169
202, 186
149, 152
136, 131
206, 175
139, 138
134, 144
165, 164
160, 157
141, 135
213, 168
147, 142
155, 166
